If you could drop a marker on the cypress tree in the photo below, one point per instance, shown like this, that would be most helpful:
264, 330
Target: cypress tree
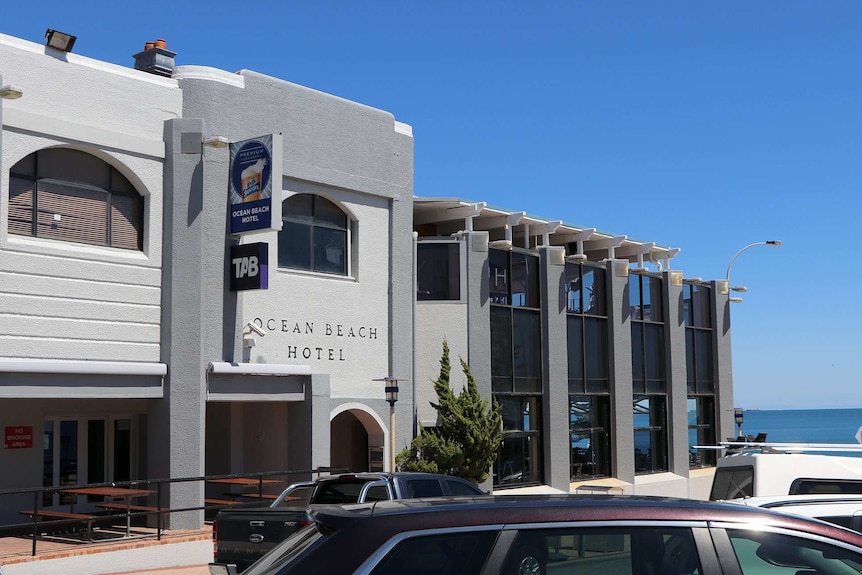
469, 431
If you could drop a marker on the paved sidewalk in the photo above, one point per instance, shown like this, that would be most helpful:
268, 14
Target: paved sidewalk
180, 552
194, 570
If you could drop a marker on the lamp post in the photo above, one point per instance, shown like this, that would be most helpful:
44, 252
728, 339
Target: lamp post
743, 289
391, 390
737, 418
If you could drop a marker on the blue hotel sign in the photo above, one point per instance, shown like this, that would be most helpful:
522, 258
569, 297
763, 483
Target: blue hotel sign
252, 167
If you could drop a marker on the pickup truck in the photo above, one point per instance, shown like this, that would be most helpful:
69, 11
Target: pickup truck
241, 536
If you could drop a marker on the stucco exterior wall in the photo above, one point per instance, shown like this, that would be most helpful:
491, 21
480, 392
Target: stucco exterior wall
440, 321
72, 301
345, 333
349, 330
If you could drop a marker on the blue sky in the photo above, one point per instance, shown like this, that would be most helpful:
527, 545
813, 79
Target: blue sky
700, 125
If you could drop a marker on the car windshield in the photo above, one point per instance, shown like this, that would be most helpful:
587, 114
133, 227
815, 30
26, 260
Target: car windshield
339, 491
732, 482
286, 551
297, 498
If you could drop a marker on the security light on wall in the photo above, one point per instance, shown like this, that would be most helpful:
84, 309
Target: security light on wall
59, 40
216, 142
10, 92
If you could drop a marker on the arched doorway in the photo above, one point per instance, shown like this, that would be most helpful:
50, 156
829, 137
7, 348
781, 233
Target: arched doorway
356, 439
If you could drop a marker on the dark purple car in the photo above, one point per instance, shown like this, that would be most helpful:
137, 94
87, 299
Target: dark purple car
545, 535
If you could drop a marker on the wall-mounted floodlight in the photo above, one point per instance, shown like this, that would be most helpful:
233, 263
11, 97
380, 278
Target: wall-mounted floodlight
10, 92
501, 244
59, 40
216, 142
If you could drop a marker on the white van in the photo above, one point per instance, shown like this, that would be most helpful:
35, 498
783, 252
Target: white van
785, 469
844, 510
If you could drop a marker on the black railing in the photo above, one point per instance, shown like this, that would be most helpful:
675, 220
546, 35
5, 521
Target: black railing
51, 518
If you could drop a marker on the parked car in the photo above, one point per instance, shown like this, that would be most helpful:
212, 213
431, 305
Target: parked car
844, 510
241, 536
556, 535
784, 469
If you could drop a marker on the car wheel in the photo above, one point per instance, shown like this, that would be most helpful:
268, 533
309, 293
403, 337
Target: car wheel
528, 561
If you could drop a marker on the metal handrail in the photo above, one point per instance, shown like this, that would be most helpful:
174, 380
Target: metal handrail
160, 509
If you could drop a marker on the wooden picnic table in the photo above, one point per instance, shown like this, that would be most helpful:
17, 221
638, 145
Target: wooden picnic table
125, 493
49, 514
244, 481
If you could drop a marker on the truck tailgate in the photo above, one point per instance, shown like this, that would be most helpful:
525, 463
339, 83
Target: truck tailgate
242, 536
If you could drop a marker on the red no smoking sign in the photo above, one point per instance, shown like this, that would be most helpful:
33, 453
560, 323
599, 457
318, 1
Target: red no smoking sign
20, 437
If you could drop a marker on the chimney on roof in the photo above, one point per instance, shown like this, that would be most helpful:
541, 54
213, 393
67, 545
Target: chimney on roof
155, 59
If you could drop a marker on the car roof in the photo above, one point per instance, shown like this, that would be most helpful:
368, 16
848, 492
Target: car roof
373, 475
799, 499
823, 505
465, 511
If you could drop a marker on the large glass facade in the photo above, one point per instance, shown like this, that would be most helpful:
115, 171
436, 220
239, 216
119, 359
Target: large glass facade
516, 363
588, 371
700, 378
649, 384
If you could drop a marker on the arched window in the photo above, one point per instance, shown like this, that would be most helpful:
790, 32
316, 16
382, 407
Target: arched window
72, 196
313, 236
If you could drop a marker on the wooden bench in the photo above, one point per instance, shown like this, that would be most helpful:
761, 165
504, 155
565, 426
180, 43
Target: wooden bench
220, 502
65, 515
124, 507
258, 495
129, 510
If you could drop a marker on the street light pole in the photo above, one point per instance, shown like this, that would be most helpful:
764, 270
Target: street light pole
774, 243
391, 390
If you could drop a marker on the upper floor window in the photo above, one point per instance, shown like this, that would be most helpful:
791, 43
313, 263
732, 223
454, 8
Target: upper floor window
438, 271
72, 196
514, 279
698, 339
648, 345
314, 236
697, 302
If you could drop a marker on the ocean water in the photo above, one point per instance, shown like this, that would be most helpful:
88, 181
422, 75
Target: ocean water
803, 425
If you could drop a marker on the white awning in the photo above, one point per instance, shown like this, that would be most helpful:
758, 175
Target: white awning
81, 367
273, 369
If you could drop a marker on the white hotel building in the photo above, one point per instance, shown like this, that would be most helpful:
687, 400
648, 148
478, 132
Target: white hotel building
125, 354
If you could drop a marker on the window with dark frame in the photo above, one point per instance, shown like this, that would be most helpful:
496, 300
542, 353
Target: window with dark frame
697, 303
649, 387
314, 235
516, 363
69, 195
438, 271
589, 371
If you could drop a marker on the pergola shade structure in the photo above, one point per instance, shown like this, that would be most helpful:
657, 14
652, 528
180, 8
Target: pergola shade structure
442, 217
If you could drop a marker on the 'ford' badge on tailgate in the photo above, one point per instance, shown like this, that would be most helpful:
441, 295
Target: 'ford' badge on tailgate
255, 537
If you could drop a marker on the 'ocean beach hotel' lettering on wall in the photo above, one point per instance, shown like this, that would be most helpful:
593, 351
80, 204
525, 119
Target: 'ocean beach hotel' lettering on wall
326, 330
